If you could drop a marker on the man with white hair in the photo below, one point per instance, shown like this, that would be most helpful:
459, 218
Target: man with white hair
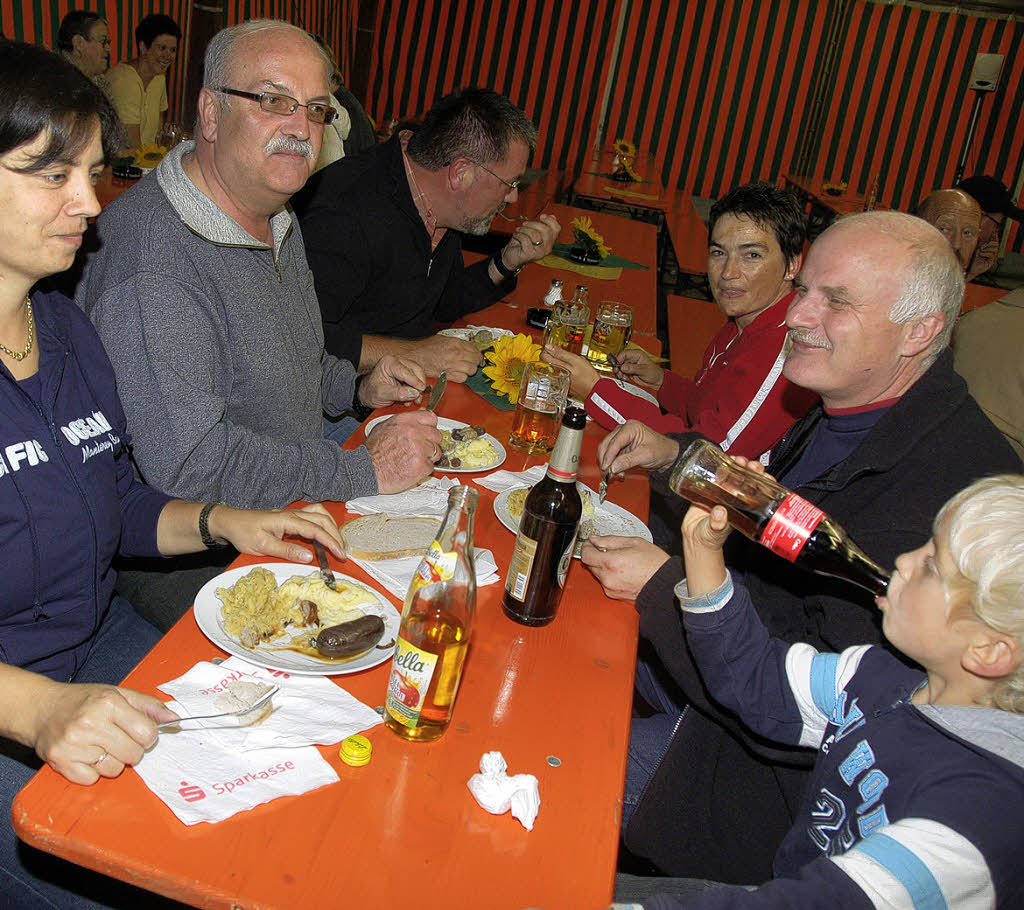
895, 435
204, 299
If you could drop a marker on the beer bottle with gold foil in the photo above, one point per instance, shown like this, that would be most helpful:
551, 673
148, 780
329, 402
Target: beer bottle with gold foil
547, 532
436, 623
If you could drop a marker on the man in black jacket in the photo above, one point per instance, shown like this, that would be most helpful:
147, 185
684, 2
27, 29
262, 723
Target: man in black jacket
383, 233
896, 434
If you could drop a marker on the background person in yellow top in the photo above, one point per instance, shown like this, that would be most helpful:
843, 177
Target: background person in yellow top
139, 85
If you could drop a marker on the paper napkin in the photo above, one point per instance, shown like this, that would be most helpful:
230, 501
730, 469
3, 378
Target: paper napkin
427, 500
500, 481
209, 773
396, 574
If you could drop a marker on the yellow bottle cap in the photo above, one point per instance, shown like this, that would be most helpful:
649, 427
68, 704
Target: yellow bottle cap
356, 751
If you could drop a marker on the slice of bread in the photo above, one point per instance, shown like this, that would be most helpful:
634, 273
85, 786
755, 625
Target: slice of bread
376, 537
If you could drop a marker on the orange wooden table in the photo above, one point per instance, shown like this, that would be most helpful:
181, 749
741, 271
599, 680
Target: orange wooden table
632, 240
649, 195
556, 701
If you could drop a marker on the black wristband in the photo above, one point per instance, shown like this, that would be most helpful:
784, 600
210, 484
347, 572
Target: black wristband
209, 541
361, 410
503, 269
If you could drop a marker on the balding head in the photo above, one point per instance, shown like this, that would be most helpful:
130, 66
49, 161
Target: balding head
875, 303
958, 216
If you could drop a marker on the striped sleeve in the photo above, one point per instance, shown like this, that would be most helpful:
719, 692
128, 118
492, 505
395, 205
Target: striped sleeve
817, 681
920, 864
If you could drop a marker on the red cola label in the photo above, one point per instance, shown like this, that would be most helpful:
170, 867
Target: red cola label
788, 529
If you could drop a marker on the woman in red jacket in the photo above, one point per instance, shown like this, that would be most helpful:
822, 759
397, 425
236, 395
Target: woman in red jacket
739, 398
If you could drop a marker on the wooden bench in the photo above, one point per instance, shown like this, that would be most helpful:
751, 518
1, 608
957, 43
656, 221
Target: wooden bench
692, 324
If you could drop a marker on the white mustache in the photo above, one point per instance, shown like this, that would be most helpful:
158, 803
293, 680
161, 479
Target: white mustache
290, 144
808, 339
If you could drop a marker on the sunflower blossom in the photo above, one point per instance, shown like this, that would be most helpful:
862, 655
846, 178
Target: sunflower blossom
586, 236
625, 148
509, 357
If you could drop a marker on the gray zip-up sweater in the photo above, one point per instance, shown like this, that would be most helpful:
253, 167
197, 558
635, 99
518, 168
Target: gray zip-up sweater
218, 347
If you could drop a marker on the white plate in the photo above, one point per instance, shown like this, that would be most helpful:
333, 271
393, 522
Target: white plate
446, 423
467, 332
608, 517
208, 616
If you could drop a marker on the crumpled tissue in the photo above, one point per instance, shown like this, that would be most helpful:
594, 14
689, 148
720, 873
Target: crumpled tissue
497, 793
207, 773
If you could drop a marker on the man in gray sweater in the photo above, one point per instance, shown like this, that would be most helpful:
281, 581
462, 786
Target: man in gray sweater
204, 300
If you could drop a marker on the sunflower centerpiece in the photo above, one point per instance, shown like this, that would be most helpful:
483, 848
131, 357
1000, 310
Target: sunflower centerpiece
509, 358
622, 163
588, 245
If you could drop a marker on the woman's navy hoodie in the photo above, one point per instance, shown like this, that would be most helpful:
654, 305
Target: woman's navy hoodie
69, 499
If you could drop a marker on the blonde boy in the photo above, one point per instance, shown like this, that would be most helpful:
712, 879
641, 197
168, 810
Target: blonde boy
917, 796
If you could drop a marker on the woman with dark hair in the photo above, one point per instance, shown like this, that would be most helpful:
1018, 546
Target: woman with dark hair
68, 497
139, 84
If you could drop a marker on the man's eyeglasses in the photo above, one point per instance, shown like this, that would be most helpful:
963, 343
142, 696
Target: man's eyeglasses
512, 185
285, 105
104, 41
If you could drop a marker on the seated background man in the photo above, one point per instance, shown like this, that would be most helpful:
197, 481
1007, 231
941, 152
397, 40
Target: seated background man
204, 300
895, 435
739, 399
383, 233
958, 217
996, 207
987, 345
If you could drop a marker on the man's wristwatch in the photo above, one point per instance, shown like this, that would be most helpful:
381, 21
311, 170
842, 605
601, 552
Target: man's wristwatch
503, 269
360, 410
209, 541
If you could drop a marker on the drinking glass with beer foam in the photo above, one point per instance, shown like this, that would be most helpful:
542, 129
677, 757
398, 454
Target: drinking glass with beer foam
567, 326
543, 394
613, 326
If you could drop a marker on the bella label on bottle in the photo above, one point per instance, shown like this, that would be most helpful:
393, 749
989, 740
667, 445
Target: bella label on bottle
436, 566
411, 673
788, 529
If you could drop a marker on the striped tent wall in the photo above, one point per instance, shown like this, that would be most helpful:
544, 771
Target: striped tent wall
900, 104
551, 59
726, 91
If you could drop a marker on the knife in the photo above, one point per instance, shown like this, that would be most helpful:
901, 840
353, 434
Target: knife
437, 391
325, 570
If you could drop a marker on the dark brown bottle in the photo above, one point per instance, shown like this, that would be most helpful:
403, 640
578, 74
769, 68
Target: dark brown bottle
547, 532
766, 512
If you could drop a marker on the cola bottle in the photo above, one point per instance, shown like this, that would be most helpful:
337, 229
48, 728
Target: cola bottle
547, 532
766, 512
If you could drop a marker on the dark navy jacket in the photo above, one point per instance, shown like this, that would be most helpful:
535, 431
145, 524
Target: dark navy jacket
69, 500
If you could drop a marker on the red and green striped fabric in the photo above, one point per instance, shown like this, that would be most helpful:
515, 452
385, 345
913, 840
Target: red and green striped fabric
718, 92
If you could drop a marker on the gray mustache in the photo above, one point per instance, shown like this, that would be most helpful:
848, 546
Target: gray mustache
807, 338
290, 144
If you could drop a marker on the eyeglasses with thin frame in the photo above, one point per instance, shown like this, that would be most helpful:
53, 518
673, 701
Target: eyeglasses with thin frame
104, 41
285, 105
512, 185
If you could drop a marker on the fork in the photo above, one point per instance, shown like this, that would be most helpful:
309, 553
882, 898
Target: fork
256, 705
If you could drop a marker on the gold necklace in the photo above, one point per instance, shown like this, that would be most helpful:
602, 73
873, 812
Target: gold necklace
21, 355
